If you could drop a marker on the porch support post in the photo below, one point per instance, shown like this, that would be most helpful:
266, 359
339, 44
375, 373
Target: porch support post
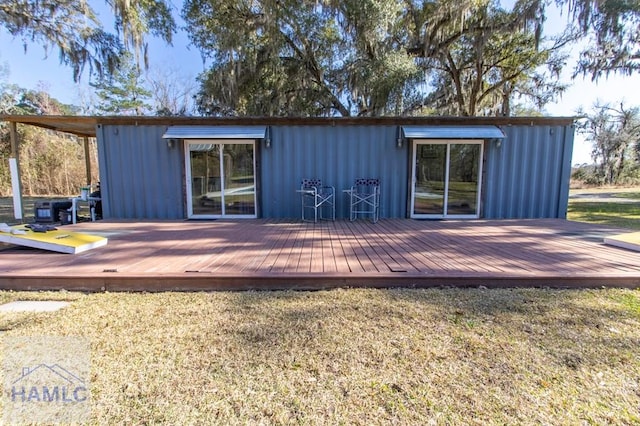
14, 166
87, 159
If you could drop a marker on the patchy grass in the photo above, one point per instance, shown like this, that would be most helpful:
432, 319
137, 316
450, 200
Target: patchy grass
445, 356
628, 195
606, 213
603, 208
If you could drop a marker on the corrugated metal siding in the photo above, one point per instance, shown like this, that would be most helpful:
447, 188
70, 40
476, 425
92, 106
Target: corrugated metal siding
527, 174
338, 156
140, 176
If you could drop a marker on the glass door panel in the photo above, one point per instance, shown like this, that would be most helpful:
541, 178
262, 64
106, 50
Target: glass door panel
221, 179
429, 188
239, 180
446, 179
462, 196
206, 185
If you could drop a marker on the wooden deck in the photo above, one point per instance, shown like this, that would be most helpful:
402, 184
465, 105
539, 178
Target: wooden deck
269, 254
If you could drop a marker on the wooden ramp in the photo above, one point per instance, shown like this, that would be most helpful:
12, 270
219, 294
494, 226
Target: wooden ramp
629, 241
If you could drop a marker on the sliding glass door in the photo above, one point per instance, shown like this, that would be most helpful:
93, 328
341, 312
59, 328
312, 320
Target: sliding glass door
220, 179
446, 179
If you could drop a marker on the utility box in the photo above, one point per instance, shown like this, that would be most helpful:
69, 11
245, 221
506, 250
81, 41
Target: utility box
49, 211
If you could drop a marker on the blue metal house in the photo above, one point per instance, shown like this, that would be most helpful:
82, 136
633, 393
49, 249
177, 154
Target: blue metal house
429, 167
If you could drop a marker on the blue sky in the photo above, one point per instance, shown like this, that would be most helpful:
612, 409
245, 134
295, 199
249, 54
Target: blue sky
35, 68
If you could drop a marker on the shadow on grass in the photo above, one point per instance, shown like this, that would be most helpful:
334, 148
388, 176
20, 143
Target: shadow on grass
359, 356
573, 328
628, 195
396, 346
625, 215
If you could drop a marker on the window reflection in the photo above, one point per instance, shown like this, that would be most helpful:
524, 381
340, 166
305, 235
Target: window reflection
222, 179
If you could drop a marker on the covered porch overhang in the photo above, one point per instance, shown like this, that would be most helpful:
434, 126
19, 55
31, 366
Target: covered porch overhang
80, 126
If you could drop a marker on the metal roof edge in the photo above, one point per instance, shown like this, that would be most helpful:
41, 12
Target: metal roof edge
460, 131
395, 120
79, 125
215, 132
86, 125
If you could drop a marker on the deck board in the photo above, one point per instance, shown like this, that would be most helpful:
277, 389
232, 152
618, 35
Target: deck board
209, 255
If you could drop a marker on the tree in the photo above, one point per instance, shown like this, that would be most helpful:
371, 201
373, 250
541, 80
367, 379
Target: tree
481, 57
289, 57
613, 29
137, 18
72, 27
122, 93
371, 57
17, 100
172, 92
68, 24
40, 102
615, 134
51, 162
380, 78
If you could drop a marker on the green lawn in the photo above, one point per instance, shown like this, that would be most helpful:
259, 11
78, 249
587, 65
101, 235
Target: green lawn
631, 195
442, 356
612, 209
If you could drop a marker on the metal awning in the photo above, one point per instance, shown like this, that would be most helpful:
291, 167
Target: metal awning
452, 132
215, 132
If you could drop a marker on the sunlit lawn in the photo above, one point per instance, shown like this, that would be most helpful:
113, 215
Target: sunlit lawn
442, 356
606, 211
439, 356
